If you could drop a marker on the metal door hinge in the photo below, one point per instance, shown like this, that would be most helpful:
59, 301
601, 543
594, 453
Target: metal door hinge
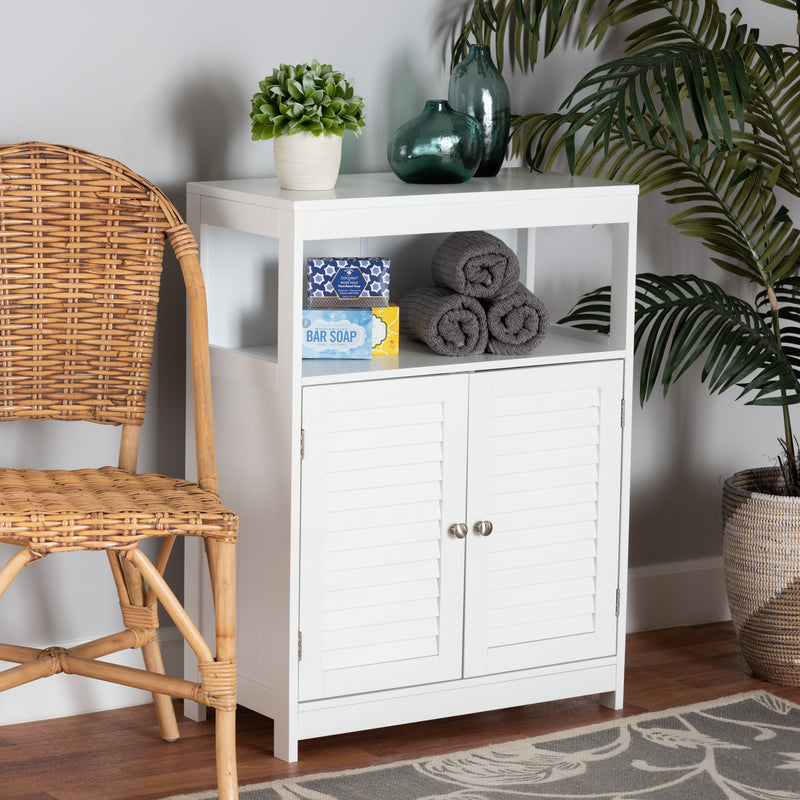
619, 600
300, 645
302, 443
622, 413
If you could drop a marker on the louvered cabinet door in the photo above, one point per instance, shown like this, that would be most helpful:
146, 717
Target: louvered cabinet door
381, 587
544, 474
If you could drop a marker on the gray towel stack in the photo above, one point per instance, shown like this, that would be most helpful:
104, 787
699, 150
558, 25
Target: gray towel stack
450, 324
516, 322
478, 304
477, 264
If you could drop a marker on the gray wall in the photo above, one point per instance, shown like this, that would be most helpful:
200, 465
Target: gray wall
164, 86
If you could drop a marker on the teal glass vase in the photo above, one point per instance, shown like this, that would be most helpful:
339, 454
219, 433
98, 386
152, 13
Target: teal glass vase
440, 145
477, 88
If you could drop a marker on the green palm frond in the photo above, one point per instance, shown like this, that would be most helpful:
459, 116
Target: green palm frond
788, 5
526, 29
787, 298
772, 118
682, 320
479, 27
656, 87
730, 205
699, 110
727, 200
671, 22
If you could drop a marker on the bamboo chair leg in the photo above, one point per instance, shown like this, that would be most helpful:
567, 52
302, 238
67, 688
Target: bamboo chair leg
171, 605
222, 567
165, 710
225, 734
13, 567
131, 590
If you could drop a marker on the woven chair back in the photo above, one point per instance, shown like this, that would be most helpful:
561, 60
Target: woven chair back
81, 249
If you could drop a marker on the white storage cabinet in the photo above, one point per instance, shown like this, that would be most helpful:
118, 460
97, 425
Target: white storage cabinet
421, 536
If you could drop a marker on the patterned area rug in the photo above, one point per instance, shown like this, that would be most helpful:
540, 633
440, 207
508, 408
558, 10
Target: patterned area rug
745, 747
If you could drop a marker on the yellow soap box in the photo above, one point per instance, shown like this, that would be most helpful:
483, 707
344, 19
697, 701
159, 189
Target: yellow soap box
385, 330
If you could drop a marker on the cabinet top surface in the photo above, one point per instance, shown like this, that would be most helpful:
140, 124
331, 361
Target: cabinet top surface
386, 188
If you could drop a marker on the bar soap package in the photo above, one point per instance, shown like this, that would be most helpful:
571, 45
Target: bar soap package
337, 333
385, 330
347, 282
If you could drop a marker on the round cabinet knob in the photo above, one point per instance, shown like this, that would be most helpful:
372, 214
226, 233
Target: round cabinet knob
458, 529
484, 527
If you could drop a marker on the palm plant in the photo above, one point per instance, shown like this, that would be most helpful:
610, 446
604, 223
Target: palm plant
702, 112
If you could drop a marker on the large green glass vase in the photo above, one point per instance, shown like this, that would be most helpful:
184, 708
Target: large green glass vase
477, 88
439, 145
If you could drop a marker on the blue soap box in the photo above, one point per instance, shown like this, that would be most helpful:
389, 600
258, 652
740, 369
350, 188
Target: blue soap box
347, 282
331, 333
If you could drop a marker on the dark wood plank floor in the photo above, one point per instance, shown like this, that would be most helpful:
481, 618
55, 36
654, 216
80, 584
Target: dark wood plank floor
117, 755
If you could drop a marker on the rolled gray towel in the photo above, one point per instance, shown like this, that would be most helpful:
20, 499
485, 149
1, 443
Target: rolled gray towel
450, 324
517, 322
475, 263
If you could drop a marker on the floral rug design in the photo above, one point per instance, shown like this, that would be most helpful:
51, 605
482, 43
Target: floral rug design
745, 747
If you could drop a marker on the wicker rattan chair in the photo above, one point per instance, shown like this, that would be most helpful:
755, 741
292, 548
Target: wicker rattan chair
81, 246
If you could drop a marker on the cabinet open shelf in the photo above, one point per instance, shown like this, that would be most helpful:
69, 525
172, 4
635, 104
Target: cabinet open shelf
559, 346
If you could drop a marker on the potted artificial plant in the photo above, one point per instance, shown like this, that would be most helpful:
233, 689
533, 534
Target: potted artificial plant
701, 111
305, 109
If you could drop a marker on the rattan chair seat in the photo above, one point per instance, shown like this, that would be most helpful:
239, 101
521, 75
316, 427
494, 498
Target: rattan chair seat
96, 509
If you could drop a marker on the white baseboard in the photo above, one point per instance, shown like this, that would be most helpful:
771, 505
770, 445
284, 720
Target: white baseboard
666, 595
67, 695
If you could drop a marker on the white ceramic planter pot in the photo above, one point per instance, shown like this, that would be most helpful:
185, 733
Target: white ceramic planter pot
307, 162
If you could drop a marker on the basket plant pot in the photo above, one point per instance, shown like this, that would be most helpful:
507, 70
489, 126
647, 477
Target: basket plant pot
307, 162
761, 554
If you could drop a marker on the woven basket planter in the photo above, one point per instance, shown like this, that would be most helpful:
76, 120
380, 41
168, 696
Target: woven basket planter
761, 551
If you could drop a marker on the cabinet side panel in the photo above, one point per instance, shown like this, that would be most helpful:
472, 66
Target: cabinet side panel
381, 581
245, 421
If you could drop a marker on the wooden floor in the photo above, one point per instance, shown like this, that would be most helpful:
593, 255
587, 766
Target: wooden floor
117, 755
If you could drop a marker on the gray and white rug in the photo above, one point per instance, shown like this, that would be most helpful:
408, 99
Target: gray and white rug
744, 747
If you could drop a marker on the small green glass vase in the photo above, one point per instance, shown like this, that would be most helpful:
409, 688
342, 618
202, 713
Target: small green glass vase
440, 145
477, 88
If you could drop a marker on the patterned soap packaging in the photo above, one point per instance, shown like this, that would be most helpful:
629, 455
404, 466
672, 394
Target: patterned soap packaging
347, 282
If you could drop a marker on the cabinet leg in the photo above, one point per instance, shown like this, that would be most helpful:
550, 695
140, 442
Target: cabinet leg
612, 700
284, 745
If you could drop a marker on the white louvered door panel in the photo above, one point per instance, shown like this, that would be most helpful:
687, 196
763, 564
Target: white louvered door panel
544, 469
384, 476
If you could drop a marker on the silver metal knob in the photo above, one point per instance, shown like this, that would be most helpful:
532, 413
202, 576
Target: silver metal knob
484, 527
458, 529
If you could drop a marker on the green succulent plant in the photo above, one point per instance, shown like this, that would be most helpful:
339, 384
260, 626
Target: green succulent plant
698, 109
305, 97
